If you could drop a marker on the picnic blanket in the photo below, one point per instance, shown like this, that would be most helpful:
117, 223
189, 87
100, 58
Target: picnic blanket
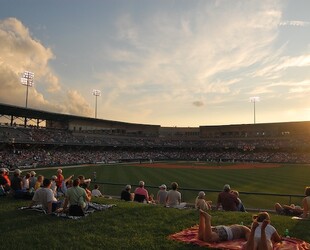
190, 235
92, 207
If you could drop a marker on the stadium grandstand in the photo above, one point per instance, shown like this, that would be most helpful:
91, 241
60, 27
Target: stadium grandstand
30, 138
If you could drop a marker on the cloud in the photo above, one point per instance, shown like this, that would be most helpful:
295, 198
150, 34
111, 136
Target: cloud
19, 51
198, 103
294, 23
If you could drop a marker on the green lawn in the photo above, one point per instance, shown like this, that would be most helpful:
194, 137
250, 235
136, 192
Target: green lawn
127, 226
287, 179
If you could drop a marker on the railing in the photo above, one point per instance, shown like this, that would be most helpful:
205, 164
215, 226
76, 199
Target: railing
252, 200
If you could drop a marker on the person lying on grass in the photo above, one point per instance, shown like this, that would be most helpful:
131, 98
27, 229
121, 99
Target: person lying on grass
211, 234
292, 210
263, 235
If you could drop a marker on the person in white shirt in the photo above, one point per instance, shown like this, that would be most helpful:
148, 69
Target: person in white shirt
263, 235
45, 197
96, 192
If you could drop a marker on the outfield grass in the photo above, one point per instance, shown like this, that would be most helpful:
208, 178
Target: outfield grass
129, 225
287, 179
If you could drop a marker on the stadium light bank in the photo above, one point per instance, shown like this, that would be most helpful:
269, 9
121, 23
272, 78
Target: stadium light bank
27, 80
254, 99
96, 93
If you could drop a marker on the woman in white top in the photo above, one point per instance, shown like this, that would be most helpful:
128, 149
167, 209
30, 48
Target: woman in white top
263, 235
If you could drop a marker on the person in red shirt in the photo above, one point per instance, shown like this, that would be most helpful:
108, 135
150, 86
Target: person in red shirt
59, 179
227, 200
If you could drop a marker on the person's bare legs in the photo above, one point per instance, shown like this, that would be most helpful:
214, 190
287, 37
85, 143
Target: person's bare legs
205, 230
250, 243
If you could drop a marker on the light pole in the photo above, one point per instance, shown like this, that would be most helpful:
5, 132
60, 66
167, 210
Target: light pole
96, 93
27, 80
254, 99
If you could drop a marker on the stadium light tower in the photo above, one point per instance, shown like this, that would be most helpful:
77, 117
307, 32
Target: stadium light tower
254, 99
96, 93
27, 80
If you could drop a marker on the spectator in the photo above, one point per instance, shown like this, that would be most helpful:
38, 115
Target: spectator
162, 194
54, 185
66, 183
96, 192
125, 194
290, 210
39, 182
26, 181
60, 178
141, 194
240, 207
227, 200
32, 179
17, 184
173, 198
46, 198
3, 180
85, 184
201, 203
262, 233
77, 198
208, 233
306, 203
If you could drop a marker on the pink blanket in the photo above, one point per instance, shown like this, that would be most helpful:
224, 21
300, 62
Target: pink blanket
190, 235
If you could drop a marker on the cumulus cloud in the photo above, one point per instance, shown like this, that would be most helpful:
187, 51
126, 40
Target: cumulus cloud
19, 51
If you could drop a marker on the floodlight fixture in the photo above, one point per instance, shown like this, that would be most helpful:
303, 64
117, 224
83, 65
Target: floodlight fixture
96, 93
254, 99
27, 80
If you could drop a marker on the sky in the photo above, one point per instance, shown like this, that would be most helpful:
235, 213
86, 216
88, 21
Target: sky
184, 63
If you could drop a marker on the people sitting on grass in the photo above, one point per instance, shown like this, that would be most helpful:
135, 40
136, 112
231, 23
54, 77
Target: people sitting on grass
201, 203
290, 210
306, 204
174, 197
4, 182
26, 182
263, 235
240, 207
227, 200
32, 179
66, 183
39, 182
141, 194
77, 199
295, 210
209, 233
162, 194
60, 178
96, 192
54, 185
126, 195
84, 183
45, 197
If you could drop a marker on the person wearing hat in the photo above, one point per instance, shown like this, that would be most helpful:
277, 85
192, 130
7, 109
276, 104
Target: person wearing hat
227, 200
201, 203
162, 194
17, 185
141, 194
32, 179
125, 194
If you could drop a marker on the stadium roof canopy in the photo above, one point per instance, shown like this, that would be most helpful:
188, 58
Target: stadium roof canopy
15, 111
